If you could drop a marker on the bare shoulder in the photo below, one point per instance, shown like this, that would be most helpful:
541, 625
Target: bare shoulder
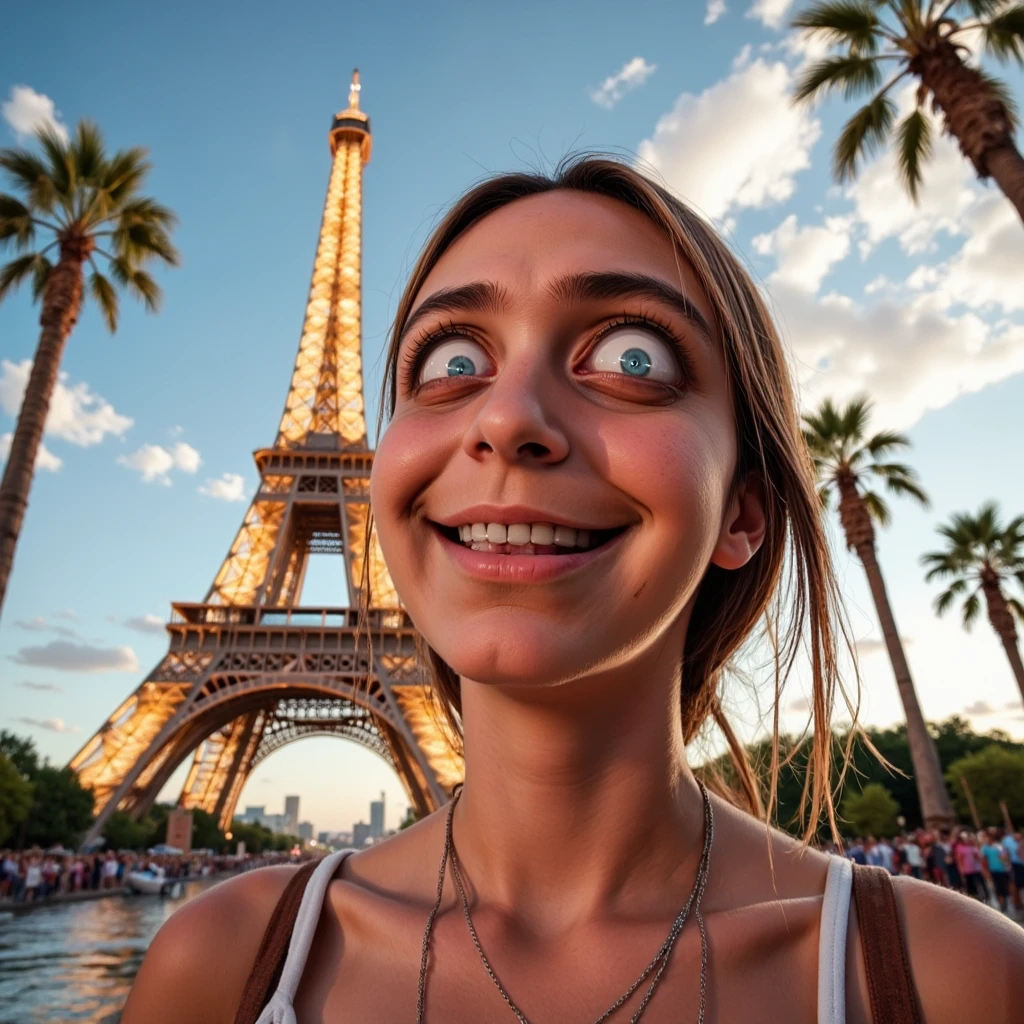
197, 966
967, 960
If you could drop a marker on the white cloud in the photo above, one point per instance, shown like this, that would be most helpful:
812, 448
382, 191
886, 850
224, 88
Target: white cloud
69, 657
43, 687
76, 414
805, 255
155, 462
45, 459
631, 75
50, 724
716, 8
33, 625
145, 623
770, 12
909, 356
986, 272
739, 143
230, 487
27, 111
69, 615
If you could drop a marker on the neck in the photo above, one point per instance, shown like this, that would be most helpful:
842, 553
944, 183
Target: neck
583, 783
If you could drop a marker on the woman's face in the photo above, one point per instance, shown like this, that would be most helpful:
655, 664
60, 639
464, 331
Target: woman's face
560, 373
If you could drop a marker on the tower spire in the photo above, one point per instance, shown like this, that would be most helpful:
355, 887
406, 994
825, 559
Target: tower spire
324, 407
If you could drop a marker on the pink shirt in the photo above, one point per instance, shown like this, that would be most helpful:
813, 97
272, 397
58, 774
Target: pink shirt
967, 859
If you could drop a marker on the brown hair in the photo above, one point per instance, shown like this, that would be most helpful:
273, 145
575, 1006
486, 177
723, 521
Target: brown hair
789, 588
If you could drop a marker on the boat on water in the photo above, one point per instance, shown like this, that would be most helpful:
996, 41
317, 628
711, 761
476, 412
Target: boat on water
153, 882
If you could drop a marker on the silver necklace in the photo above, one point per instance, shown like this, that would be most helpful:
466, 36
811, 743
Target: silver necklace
656, 966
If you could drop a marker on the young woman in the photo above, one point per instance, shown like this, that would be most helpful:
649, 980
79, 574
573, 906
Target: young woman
591, 493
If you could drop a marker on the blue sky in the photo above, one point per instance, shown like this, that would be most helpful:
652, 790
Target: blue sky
919, 306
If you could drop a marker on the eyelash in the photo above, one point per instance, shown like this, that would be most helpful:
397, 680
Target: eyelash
412, 360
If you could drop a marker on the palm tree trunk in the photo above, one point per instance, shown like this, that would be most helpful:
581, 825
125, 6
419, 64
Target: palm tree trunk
61, 303
936, 807
1001, 617
975, 116
1006, 166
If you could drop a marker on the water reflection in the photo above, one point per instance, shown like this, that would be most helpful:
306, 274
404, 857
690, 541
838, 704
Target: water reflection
77, 962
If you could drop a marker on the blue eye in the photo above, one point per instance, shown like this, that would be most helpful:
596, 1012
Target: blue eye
459, 357
632, 351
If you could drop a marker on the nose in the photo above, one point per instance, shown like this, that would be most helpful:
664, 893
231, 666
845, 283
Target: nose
517, 420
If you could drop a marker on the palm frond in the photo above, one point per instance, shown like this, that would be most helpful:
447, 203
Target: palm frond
852, 74
945, 600
980, 8
885, 441
60, 168
913, 148
877, 508
1017, 607
139, 242
87, 153
106, 298
40, 276
123, 175
1003, 34
138, 283
972, 606
13, 274
941, 565
15, 223
862, 135
842, 22
27, 172
906, 488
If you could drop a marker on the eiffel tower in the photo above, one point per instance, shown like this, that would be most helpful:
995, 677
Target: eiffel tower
249, 669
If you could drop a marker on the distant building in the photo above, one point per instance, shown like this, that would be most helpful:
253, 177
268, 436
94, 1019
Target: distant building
253, 815
305, 830
360, 833
377, 817
323, 838
291, 815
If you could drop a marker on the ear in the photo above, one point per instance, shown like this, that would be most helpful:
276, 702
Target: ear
743, 527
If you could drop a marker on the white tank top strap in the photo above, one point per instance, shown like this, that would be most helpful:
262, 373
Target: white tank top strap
835, 914
280, 1010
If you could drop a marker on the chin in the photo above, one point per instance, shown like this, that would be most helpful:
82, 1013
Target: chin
519, 656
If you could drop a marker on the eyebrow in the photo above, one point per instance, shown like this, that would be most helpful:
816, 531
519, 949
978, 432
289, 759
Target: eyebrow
489, 297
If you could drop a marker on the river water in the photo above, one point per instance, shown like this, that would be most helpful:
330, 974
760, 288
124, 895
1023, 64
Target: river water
76, 961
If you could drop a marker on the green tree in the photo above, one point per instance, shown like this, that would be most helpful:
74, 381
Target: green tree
15, 797
21, 751
122, 833
847, 461
993, 774
86, 203
206, 835
876, 44
982, 554
61, 808
871, 811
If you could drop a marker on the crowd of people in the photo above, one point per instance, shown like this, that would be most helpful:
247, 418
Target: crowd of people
30, 875
987, 864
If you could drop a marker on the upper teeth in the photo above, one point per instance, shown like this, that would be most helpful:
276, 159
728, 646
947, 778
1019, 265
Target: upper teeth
525, 533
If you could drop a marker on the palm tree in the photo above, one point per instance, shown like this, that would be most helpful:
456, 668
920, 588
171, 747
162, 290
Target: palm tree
981, 554
87, 204
846, 459
922, 40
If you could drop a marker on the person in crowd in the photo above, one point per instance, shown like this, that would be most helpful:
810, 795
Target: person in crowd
1011, 844
996, 861
913, 861
968, 861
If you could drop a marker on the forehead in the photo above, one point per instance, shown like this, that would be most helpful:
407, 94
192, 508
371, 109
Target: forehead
530, 242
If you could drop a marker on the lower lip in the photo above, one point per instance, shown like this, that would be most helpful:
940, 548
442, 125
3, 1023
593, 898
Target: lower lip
486, 565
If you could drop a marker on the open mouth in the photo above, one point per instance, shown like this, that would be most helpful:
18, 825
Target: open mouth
527, 538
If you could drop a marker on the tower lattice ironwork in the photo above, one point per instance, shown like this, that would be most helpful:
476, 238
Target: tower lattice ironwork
250, 669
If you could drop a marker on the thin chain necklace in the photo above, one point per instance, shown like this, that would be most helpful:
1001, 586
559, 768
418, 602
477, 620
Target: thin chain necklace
656, 966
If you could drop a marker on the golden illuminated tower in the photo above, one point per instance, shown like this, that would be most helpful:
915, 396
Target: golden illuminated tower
250, 669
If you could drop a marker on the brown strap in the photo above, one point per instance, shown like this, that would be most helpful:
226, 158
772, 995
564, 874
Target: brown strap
890, 984
266, 971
